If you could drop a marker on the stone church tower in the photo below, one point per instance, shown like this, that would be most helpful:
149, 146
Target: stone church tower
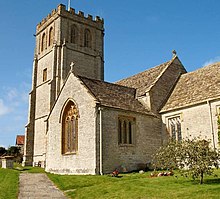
62, 37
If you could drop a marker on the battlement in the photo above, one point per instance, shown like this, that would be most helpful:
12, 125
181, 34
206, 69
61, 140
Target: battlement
61, 10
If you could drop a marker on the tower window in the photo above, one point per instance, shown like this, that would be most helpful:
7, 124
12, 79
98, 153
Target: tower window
126, 127
45, 75
88, 39
51, 36
74, 34
70, 129
43, 42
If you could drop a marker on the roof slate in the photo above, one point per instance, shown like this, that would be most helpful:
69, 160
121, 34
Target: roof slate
113, 95
195, 87
145, 80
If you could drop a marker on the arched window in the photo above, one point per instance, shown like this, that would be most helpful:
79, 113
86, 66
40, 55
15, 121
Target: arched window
51, 36
70, 129
43, 42
87, 38
73, 34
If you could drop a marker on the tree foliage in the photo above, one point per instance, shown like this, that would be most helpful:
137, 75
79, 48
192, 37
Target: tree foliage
2, 151
15, 151
193, 157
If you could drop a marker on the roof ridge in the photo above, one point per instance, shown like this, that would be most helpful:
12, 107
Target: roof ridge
112, 83
144, 71
162, 72
194, 87
200, 69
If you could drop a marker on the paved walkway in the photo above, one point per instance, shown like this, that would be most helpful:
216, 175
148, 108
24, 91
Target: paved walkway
37, 186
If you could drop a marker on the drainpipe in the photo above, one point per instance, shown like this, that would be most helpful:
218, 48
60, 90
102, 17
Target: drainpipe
211, 123
100, 140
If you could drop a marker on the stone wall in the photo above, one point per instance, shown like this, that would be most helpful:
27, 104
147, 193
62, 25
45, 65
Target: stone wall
89, 60
57, 57
160, 92
146, 137
84, 161
195, 121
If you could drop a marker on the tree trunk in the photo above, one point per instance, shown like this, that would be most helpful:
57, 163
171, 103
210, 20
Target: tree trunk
201, 178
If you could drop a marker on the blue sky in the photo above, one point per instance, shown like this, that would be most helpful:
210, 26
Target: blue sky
138, 35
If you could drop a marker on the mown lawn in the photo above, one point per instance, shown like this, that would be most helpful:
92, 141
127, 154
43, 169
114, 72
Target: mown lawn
127, 186
9, 180
137, 186
8, 183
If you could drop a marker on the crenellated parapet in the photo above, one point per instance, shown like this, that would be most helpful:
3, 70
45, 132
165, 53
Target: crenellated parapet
62, 11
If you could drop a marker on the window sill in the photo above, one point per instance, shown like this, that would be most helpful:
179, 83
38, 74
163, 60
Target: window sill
69, 153
126, 145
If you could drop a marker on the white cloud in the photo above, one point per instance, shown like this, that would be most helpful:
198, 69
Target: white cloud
12, 94
3, 108
211, 61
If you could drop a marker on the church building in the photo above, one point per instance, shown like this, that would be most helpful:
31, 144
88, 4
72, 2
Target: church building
80, 124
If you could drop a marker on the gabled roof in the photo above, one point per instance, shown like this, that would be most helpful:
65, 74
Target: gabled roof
145, 80
20, 140
113, 95
195, 87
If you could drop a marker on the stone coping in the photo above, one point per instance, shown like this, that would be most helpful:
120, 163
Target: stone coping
7, 157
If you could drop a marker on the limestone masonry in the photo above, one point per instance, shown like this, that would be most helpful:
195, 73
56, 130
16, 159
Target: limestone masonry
80, 124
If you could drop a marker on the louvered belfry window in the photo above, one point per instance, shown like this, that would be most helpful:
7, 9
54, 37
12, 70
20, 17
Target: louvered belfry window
87, 38
74, 34
51, 36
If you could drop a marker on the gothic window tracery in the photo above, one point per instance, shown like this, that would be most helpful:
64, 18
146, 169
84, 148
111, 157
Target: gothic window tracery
87, 38
70, 129
174, 125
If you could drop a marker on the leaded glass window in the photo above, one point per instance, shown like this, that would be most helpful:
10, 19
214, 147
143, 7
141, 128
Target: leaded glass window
70, 129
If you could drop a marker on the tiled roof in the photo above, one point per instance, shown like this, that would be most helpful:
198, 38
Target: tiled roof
144, 80
195, 87
113, 95
20, 140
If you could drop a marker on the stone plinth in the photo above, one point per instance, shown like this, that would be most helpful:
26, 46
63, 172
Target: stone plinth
7, 162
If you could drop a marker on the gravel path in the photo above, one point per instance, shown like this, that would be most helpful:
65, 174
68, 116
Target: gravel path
37, 186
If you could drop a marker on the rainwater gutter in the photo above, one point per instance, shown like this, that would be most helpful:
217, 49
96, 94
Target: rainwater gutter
100, 140
211, 123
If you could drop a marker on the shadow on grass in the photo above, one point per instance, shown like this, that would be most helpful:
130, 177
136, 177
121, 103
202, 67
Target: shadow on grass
29, 169
21, 169
212, 181
117, 176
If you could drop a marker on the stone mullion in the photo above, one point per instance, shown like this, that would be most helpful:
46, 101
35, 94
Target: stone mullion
66, 137
127, 131
124, 132
73, 131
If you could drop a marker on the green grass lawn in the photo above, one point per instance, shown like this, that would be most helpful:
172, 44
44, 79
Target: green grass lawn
127, 186
137, 186
9, 180
8, 183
